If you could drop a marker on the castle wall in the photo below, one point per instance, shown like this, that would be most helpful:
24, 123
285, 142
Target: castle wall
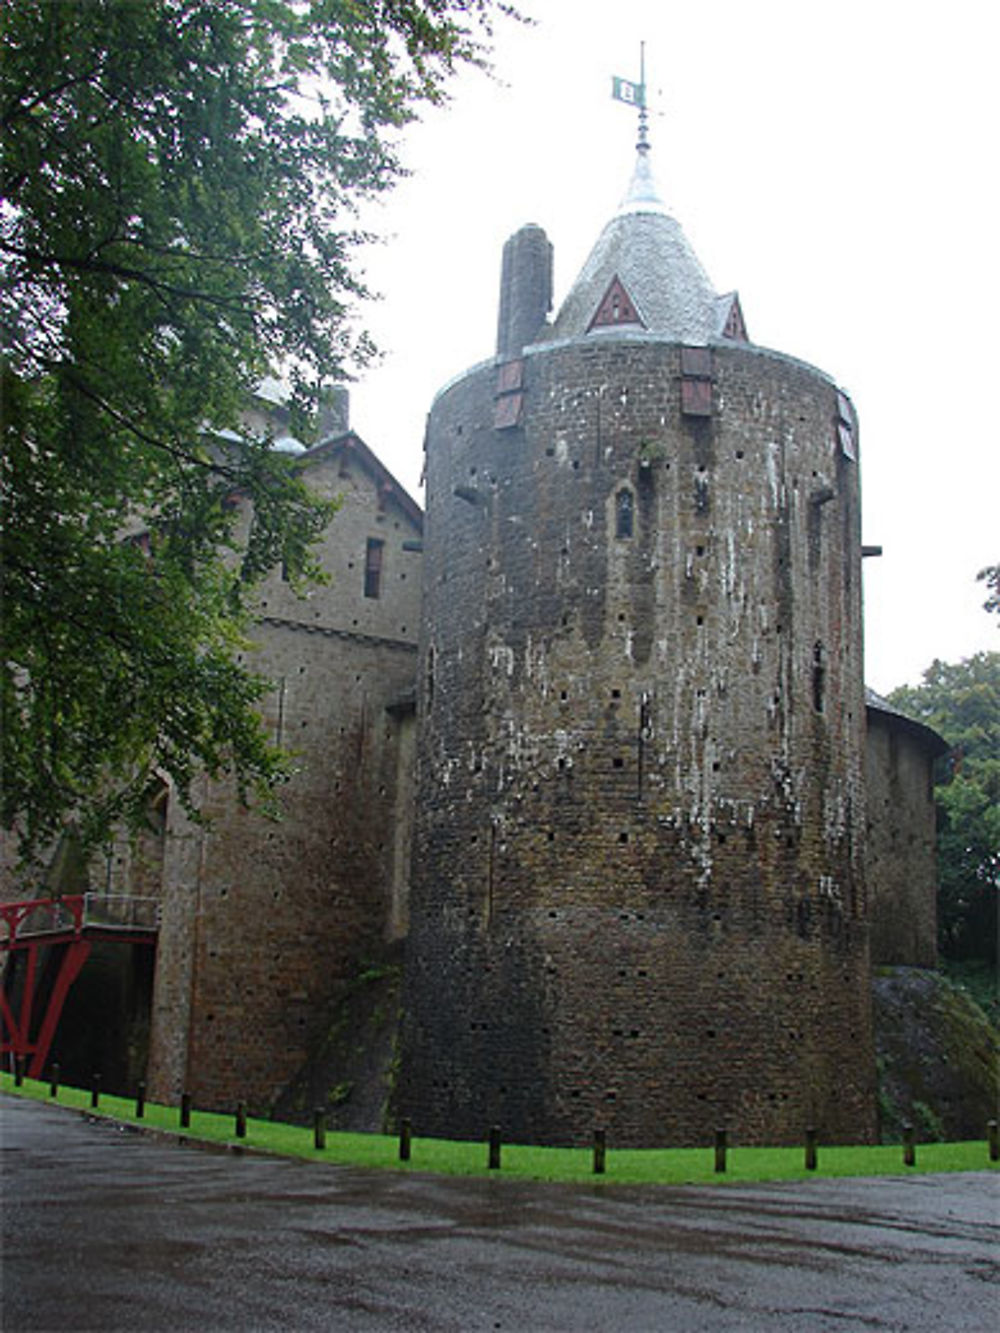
638, 897
264, 922
901, 848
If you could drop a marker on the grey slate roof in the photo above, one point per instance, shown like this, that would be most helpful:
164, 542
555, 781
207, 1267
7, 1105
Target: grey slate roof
645, 248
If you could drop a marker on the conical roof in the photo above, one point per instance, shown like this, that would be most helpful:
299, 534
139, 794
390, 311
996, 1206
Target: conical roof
642, 274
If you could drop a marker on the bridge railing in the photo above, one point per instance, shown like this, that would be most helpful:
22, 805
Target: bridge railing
120, 910
69, 915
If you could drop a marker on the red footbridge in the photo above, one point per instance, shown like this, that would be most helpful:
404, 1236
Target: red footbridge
65, 928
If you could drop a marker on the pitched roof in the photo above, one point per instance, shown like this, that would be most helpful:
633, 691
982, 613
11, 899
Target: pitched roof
927, 736
644, 249
353, 445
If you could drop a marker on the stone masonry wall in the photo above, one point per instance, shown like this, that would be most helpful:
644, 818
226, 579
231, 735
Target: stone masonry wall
902, 851
638, 894
265, 923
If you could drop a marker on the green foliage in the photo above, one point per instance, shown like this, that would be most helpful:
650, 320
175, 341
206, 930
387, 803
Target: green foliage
962, 702
340, 1094
976, 978
928, 1123
180, 180
991, 577
376, 971
890, 1118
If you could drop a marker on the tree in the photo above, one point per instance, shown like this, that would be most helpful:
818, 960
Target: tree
962, 702
180, 180
991, 577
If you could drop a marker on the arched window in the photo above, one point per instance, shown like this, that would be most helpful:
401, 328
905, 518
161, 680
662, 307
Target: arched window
624, 513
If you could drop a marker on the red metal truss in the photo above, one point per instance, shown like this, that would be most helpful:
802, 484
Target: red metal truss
44, 923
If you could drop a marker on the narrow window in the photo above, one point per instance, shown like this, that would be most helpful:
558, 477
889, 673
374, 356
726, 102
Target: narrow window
624, 512
373, 567
818, 677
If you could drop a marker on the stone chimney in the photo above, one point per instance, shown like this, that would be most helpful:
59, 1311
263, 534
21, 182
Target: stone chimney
525, 289
334, 413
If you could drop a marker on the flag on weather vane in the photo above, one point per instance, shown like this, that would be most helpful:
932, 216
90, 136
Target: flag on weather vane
623, 90
634, 94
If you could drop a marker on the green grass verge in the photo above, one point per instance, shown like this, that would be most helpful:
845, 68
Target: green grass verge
625, 1166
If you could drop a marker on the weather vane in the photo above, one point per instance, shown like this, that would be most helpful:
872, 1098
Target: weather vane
634, 94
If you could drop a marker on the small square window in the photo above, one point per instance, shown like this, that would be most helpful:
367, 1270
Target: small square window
696, 398
507, 411
697, 362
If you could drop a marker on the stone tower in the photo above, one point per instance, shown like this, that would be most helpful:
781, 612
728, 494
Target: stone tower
638, 894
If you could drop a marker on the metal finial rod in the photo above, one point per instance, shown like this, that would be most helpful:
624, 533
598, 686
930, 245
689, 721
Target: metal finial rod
643, 144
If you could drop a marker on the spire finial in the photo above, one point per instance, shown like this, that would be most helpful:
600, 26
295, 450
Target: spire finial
643, 144
634, 94
642, 195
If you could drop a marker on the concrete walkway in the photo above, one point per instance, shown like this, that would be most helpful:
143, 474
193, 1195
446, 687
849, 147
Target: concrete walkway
108, 1229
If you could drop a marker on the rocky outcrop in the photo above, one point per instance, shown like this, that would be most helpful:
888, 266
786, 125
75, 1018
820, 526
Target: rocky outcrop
937, 1056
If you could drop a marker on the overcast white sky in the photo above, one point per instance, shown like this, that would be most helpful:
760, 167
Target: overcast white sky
833, 160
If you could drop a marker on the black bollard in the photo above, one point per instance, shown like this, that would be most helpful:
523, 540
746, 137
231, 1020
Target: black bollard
241, 1120
18, 1070
811, 1140
993, 1139
140, 1101
54, 1081
405, 1137
319, 1129
600, 1151
185, 1110
720, 1149
494, 1162
95, 1091
909, 1146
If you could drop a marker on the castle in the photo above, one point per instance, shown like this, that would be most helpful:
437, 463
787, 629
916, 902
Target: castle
613, 701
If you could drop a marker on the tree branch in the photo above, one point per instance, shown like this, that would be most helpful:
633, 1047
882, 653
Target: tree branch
39, 259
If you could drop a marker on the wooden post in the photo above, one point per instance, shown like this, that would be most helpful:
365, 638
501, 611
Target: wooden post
909, 1146
185, 1110
405, 1137
993, 1139
811, 1140
54, 1081
319, 1129
720, 1150
95, 1091
241, 1120
600, 1151
494, 1163
140, 1101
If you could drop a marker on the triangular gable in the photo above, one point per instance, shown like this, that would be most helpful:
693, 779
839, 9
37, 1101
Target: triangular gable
616, 307
729, 315
352, 445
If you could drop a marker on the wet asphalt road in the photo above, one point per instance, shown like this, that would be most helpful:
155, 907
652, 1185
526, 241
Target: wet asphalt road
107, 1229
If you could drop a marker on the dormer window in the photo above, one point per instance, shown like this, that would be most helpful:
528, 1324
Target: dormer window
617, 307
733, 324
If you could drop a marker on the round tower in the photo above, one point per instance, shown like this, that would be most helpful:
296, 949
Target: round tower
638, 897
